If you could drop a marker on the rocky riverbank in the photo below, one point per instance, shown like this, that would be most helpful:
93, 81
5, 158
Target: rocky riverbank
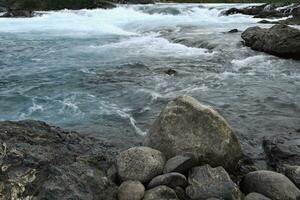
189, 153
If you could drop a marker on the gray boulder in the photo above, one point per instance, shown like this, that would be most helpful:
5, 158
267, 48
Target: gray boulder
140, 163
270, 184
171, 180
160, 193
187, 126
181, 195
180, 164
39, 161
293, 173
280, 40
207, 182
131, 190
256, 196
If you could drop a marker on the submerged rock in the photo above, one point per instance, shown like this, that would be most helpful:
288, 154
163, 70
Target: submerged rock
140, 163
160, 193
171, 72
207, 182
131, 190
271, 184
280, 40
233, 31
171, 180
44, 162
187, 126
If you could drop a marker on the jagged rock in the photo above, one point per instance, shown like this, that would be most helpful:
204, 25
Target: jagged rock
160, 193
256, 196
171, 180
180, 164
171, 72
282, 150
140, 163
39, 161
187, 126
293, 173
207, 182
270, 184
131, 190
280, 40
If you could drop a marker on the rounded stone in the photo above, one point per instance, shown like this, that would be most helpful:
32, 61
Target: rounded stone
140, 163
171, 180
161, 192
131, 190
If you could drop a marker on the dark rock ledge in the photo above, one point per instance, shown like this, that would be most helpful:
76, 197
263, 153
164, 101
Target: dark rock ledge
190, 153
271, 10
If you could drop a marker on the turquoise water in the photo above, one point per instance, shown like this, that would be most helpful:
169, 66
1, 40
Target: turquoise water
101, 72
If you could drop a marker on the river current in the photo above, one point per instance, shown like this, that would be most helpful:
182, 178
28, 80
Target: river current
102, 72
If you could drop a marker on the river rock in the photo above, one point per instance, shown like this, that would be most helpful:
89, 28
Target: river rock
187, 126
282, 150
140, 163
171, 180
293, 173
279, 40
39, 161
181, 164
270, 184
131, 190
160, 193
207, 182
181, 195
256, 196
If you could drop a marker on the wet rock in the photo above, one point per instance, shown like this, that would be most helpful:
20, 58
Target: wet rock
187, 126
171, 72
180, 192
233, 31
180, 164
282, 150
280, 40
160, 193
39, 161
171, 180
256, 196
270, 184
140, 163
131, 190
293, 173
18, 13
207, 182
296, 12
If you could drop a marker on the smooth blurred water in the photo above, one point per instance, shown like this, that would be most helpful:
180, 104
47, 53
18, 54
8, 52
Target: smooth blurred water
101, 72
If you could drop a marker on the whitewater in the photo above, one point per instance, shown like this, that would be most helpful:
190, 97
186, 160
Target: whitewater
102, 72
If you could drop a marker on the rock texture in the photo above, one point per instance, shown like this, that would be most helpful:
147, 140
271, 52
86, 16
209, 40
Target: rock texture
282, 150
293, 173
270, 184
256, 196
207, 182
140, 163
131, 190
180, 164
160, 193
280, 40
171, 180
38, 161
187, 126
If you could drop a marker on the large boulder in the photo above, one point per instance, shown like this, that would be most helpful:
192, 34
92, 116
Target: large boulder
160, 193
140, 163
171, 180
293, 173
131, 190
39, 161
280, 40
187, 126
270, 184
207, 182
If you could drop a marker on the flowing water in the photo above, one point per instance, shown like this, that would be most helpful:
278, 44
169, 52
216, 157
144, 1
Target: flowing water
102, 72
